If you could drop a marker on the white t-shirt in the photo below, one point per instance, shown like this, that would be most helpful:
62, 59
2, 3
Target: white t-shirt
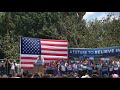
118, 64
111, 69
62, 68
66, 64
13, 66
74, 66
115, 68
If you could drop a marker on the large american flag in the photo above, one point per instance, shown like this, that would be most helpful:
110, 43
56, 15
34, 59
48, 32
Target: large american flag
49, 49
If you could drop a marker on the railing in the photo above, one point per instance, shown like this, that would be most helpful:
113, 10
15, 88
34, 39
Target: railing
10, 60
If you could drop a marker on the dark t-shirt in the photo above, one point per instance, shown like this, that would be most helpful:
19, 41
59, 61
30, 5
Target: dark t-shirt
2, 67
89, 67
7, 65
104, 69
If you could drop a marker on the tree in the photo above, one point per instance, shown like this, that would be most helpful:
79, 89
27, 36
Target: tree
39, 25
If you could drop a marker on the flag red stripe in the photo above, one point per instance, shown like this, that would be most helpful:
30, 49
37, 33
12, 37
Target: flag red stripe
53, 54
54, 45
27, 68
50, 40
31, 58
27, 62
52, 49
54, 59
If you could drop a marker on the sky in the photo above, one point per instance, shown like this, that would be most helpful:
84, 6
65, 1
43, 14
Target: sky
92, 15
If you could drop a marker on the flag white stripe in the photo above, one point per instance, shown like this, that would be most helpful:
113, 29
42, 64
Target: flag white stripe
48, 56
52, 42
47, 61
54, 52
23, 60
27, 55
55, 47
34, 61
27, 65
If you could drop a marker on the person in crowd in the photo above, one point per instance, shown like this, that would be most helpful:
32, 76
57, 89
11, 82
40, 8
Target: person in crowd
63, 69
110, 69
59, 69
75, 67
50, 68
98, 67
13, 68
7, 67
84, 68
54, 69
115, 68
62, 62
95, 74
89, 70
104, 70
69, 68
2, 68
80, 72
119, 69
39, 61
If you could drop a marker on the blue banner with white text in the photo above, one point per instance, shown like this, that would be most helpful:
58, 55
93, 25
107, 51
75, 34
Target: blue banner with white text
94, 52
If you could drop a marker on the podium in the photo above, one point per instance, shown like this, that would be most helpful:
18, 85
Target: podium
39, 69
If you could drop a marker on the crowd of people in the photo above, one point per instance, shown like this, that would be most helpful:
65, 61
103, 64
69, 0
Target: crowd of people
8, 68
66, 69
84, 69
